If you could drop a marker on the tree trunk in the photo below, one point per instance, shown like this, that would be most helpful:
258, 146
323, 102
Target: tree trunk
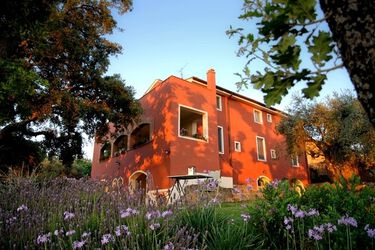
352, 23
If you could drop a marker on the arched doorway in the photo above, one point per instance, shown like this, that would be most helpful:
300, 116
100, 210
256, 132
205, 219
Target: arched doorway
138, 181
262, 182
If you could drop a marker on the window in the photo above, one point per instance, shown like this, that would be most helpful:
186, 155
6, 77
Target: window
237, 146
269, 118
258, 116
220, 139
120, 145
105, 151
261, 148
192, 123
218, 103
295, 162
140, 135
273, 154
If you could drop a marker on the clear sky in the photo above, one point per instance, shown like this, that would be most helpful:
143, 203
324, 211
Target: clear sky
186, 38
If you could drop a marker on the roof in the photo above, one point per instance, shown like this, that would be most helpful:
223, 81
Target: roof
230, 93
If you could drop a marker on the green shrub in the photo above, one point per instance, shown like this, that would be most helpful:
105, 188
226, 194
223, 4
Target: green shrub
316, 219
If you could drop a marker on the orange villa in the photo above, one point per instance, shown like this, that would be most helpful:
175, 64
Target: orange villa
193, 124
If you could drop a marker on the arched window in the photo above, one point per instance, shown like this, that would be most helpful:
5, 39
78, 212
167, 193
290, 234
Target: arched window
105, 151
140, 135
120, 145
263, 181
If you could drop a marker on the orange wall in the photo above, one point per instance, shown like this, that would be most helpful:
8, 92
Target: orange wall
240, 119
161, 108
151, 157
189, 152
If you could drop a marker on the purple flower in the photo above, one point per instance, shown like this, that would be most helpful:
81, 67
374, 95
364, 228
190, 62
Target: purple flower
11, 220
212, 184
85, 235
169, 246
166, 213
43, 238
275, 183
120, 229
58, 232
288, 220
68, 215
153, 214
316, 233
312, 212
347, 221
370, 232
292, 209
245, 217
78, 244
22, 208
330, 227
70, 232
128, 212
154, 226
299, 214
106, 238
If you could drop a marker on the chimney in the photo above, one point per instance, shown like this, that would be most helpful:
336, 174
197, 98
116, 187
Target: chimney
211, 79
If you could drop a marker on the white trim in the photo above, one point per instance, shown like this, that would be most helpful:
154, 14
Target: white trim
273, 154
264, 148
221, 142
269, 118
204, 123
295, 165
260, 116
237, 143
220, 107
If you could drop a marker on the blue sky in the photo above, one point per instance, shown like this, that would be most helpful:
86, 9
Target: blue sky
174, 37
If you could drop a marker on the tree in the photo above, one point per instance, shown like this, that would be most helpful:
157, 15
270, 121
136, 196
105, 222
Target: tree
53, 55
288, 29
337, 129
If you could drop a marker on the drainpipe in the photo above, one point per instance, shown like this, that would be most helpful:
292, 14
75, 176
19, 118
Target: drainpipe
229, 132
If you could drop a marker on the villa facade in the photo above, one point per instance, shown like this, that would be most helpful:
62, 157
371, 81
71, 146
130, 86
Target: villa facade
195, 124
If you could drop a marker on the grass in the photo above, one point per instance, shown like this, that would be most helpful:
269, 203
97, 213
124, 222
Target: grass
232, 209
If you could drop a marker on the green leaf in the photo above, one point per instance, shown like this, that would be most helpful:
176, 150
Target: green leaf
314, 86
321, 48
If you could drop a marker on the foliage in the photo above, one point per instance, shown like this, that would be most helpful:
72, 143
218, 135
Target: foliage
81, 168
64, 213
314, 220
337, 129
289, 31
53, 55
52, 168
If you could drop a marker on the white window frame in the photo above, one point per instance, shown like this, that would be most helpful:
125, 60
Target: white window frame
269, 118
221, 142
264, 148
273, 154
237, 146
260, 116
220, 102
204, 123
297, 160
